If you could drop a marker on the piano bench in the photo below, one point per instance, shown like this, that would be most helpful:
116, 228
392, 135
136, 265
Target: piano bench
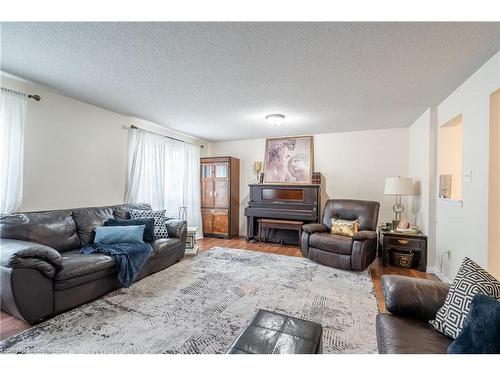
266, 224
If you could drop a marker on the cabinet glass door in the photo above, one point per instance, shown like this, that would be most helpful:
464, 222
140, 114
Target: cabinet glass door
206, 170
222, 170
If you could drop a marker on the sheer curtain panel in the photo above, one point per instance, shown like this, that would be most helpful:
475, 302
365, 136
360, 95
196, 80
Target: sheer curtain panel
192, 194
12, 122
165, 173
146, 168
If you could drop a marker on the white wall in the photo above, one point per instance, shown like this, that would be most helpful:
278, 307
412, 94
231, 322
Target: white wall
463, 230
354, 164
421, 170
75, 153
494, 188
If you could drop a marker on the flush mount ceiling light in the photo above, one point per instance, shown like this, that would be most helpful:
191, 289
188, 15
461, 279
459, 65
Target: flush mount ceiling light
275, 119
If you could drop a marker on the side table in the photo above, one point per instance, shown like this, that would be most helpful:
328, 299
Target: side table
191, 246
416, 243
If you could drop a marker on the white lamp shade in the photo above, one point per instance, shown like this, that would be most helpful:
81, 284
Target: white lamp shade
398, 186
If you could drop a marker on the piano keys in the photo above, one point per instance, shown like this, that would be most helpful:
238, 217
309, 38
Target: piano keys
287, 202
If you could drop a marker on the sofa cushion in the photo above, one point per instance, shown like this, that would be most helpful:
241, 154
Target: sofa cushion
75, 264
119, 235
412, 297
346, 228
160, 228
122, 211
366, 212
399, 335
162, 246
56, 229
87, 219
148, 223
333, 243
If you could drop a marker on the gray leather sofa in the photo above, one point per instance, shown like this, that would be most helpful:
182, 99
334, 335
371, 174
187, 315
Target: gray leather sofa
42, 272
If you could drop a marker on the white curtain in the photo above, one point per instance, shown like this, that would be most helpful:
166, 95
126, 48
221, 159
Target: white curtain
146, 169
192, 194
12, 121
165, 173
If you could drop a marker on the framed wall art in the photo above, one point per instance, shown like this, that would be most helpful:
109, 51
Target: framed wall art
289, 160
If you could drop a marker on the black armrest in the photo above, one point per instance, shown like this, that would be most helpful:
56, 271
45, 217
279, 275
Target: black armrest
412, 297
23, 254
177, 229
365, 235
315, 227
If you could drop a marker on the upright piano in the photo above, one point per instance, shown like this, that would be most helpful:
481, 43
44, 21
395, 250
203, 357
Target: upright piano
287, 202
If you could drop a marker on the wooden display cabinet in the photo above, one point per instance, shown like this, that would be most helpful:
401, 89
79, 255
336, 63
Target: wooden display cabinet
220, 194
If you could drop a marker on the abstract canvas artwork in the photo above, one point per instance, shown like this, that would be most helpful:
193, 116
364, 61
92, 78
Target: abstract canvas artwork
289, 160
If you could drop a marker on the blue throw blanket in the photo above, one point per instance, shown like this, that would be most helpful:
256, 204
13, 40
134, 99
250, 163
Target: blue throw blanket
129, 258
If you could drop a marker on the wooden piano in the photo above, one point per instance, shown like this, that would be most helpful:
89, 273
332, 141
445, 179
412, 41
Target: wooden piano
288, 202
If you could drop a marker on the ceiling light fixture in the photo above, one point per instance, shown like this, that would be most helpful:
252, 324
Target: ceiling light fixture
275, 119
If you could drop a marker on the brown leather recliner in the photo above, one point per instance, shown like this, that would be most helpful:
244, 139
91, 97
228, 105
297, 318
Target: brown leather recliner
356, 253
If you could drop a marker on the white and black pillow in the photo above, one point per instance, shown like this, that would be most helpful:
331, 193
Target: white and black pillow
160, 230
470, 280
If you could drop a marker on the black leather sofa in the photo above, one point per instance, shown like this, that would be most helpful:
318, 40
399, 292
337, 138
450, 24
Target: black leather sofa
411, 303
42, 272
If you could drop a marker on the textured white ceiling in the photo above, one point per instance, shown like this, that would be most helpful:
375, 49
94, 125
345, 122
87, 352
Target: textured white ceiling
218, 80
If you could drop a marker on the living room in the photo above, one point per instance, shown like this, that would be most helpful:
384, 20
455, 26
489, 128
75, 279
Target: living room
250, 187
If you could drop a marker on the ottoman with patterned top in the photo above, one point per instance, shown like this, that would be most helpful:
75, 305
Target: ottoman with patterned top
273, 333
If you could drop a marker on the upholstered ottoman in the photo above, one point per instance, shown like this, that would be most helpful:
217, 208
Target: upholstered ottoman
272, 333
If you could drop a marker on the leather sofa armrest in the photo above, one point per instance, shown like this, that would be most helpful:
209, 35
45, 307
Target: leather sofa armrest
412, 297
365, 235
177, 229
315, 227
26, 293
23, 254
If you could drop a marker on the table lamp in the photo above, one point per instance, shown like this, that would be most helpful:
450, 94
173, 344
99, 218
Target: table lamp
398, 186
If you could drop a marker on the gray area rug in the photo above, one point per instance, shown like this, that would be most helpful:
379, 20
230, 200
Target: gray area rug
201, 304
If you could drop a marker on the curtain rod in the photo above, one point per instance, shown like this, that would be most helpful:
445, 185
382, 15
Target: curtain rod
166, 136
34, 97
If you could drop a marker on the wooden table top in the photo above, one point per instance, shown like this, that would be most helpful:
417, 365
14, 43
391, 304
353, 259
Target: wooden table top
386, 232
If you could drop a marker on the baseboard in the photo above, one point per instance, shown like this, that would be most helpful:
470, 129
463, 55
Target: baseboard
438, 273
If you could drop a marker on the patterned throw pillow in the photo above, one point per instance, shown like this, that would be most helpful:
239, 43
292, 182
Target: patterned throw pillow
470, 280
345, 227
159, 216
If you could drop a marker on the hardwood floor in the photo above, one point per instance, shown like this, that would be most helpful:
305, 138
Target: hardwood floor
10, 326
